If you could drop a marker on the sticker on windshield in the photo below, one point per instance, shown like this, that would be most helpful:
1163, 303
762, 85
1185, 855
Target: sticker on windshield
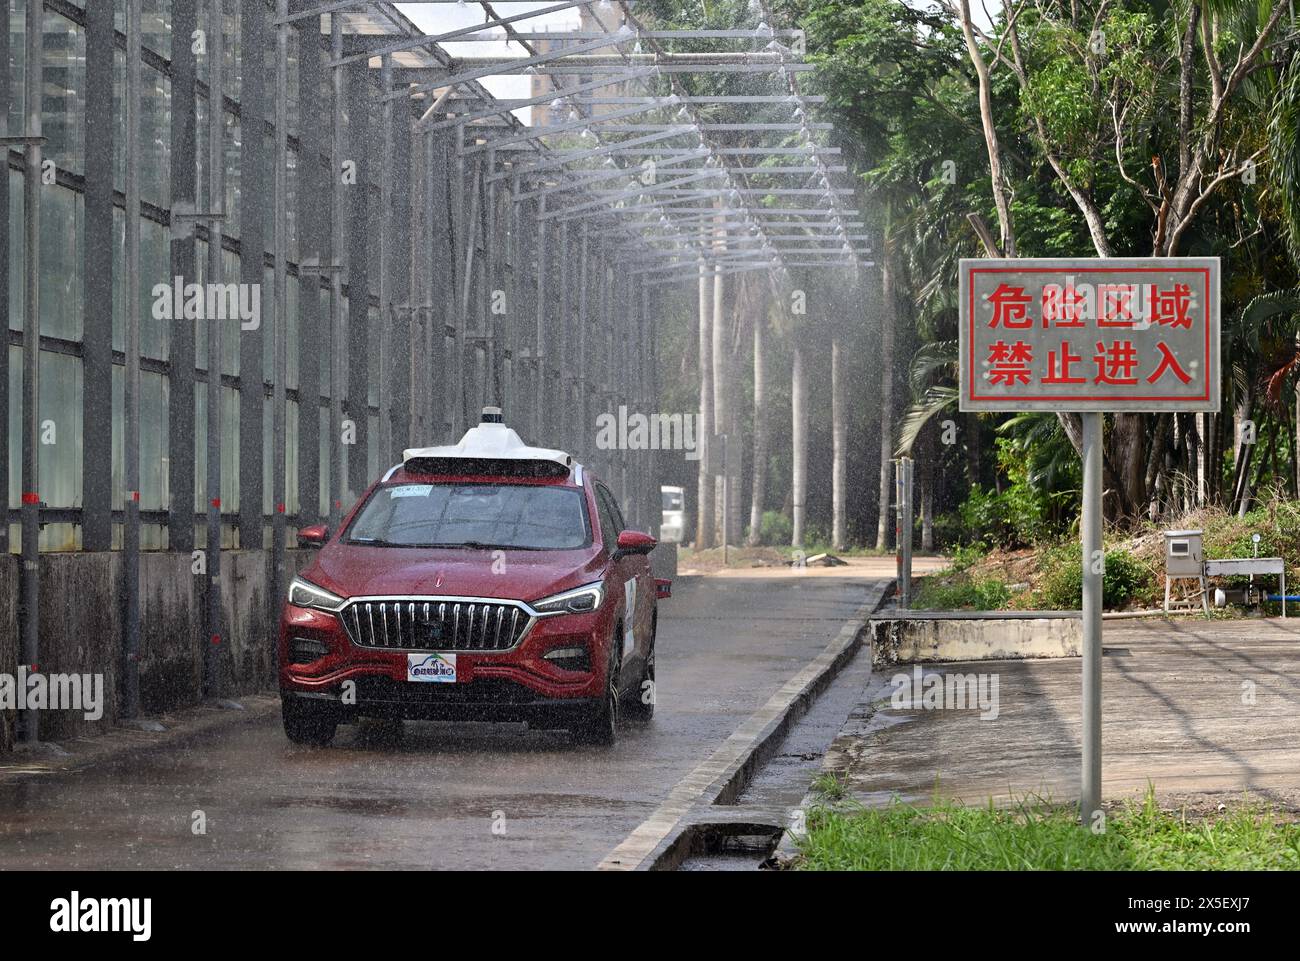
431, 668
411, 490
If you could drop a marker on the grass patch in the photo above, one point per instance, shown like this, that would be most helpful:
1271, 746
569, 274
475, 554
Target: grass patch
829, 787
1040, 836
961, 592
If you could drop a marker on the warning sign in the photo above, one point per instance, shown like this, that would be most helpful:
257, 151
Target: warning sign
1090, 335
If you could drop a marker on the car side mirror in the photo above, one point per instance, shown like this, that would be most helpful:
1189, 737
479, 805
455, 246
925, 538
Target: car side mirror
313, 536
634, 542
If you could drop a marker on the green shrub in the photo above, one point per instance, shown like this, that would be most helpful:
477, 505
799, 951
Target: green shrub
964, 555
1123, 580
775, 529
816, 537
1016, 517
962, 593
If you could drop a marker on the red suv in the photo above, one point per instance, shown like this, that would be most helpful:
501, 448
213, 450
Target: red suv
485, 581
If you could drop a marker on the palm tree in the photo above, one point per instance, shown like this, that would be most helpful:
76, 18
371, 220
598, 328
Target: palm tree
704, 502
1284, 154
1263, 348
759, 491
799, 442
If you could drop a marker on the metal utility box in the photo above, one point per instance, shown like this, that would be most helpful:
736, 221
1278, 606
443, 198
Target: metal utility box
1183, 554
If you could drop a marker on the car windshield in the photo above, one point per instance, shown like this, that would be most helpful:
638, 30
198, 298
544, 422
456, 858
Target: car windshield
515, 516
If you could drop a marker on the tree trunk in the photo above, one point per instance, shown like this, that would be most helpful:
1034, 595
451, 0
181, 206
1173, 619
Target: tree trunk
1246, 495
972, 446
704, 520
1240, 414
1202, 458
886, 393
838, 446
721, 387
743, 296
1208, 424
1155, 479
721, 410
1295, 446
760, 432
1127, 459
1243, 452
927, 490
1001, 199
799, 440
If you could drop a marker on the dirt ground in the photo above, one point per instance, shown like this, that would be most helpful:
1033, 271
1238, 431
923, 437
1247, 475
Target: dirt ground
775, 562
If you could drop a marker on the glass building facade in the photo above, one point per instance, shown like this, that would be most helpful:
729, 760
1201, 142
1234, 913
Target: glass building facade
82, 310
412, 369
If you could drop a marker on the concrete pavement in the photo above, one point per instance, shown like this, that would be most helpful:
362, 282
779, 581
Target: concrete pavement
443, 796
1201, 709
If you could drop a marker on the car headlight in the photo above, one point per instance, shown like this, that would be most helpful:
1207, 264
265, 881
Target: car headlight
306, 594
580, 600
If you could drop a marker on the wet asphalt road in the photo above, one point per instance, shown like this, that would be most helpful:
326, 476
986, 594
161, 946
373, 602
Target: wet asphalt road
442, 796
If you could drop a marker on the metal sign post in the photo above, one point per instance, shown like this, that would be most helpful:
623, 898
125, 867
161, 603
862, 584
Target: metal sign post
903, 529
1090, 336
1093, 568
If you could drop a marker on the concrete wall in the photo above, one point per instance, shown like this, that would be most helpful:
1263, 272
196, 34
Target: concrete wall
967, 636
663, 560
81, 629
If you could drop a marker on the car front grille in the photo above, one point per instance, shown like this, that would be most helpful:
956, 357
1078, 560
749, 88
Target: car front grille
436, 624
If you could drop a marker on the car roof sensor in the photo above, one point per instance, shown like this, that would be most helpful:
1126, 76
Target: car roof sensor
491, 448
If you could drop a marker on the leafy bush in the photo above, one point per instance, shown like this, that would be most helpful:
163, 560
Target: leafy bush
1016, 516
962, 593
775, 529
963, 556
816, 537
1027, 510
1123, 580
1012, 518
1279, 536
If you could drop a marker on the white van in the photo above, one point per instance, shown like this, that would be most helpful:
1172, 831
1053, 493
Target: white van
672, 524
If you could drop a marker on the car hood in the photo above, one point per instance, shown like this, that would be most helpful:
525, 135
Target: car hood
351, 570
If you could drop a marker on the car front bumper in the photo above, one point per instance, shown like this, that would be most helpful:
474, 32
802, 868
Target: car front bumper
520, 684
497, 702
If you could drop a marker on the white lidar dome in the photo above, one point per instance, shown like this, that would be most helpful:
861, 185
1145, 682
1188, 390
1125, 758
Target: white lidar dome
485, 443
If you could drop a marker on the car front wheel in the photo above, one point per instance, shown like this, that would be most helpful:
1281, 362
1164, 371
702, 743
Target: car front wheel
602, 725
641, 700
306, 723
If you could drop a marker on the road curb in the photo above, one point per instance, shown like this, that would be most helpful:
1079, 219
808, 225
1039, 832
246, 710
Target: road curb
664, 840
